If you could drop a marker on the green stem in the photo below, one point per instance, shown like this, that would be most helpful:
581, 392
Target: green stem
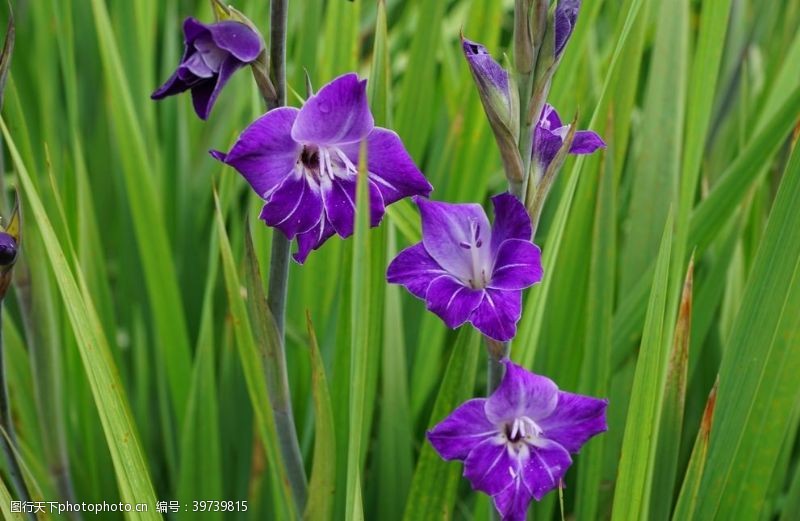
497, 351
278, 283
8, 439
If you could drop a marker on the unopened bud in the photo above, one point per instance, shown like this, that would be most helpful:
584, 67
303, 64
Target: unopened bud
500, 100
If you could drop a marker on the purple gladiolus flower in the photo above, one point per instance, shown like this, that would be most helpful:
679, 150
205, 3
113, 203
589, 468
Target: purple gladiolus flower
467, 271
549, 136
303, 163
213, 52
565, 18
516, 444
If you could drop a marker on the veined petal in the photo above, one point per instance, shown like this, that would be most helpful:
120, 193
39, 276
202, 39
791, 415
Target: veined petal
518, 265
265, 153
295, 207
512, 502
204, 94
546, 467
586, 142
456, 235
238, 39
451, 300
494, 464
511, 221
521, 393
575, 419
312, 239
414, 268
390, 166
339, 196
498, 314
337, 114
462, 431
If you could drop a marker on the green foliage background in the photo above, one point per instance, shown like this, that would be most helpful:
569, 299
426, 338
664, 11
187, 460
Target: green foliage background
131, 341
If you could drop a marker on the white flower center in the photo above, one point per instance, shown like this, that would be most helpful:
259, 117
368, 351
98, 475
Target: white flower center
522, 430
474, 243
325, 163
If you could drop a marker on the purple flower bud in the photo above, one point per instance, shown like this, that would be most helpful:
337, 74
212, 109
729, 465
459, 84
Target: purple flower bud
500, 101
213, 52
8, 250
516, 444
565, 18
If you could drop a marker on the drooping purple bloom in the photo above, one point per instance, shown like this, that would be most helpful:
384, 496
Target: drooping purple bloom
213, 52
566, 16
466, 270
303, 163
549, 134
516, 444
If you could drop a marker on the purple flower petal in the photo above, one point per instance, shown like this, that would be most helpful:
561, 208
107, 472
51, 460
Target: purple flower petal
512, 502
453, 234
565, 18
518, 265
202, 98
294, 207
546, 467
549, 118
511, 221
312, 240
339, 196
498, 314
546, 145
210, 54
197, 66
192, 30
390, 166
337, 114
451, 300
462, 431
414, 268
174, 85
575, 419
492, 465
521, 393
586, 142
265, 153
238, 39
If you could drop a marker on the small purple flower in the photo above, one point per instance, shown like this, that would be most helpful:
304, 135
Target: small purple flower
565, 18
303, 163
213, 52
549, 136
467, 271
516, 444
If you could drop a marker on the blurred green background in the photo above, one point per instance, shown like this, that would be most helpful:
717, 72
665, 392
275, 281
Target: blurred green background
132, 368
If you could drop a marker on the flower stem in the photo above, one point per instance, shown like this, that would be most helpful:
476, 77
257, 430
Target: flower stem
278, 283
7, 438
497, 351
